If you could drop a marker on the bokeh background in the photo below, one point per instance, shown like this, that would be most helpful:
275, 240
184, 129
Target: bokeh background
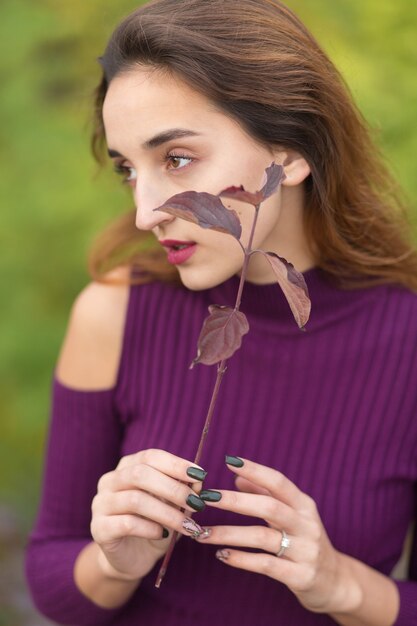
54, 200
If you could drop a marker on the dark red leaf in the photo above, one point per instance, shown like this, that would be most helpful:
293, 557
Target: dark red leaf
203, 209
239, 193
293, 285
275, 175
221, 335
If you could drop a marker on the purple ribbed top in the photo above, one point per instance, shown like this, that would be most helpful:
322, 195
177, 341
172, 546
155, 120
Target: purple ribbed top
334, 408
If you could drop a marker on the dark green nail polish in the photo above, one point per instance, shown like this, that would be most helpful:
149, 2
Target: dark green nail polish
196, 473
165, 533
210, 495
234, 460
195, 503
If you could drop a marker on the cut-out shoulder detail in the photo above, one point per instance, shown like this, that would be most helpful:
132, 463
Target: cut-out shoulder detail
90, 354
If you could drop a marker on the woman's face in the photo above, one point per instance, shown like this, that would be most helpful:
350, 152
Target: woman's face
165, 138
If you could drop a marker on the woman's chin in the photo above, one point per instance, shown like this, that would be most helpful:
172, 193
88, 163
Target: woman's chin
198, 280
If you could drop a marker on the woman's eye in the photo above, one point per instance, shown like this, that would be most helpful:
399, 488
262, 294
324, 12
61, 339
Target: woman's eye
175, 162
178, 161
132, 174
129, 173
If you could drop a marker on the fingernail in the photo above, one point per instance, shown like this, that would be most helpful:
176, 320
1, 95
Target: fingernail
195, 502
190, 526
210, 495
196, 473
222, 555
165, 533
234, 460
206, 533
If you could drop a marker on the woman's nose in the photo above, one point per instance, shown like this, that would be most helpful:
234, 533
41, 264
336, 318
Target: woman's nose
146, 201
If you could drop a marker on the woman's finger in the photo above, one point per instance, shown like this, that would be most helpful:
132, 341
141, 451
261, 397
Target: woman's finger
243, 484
106, 529
133, 508
146, 478
258, 537
276, 513
272, 480
300, 550
167, 463
283, 570
138, 503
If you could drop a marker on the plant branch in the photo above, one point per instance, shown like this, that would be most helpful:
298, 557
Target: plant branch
208, 212
221, 369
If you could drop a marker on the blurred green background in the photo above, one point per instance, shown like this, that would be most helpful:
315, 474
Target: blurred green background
54, 201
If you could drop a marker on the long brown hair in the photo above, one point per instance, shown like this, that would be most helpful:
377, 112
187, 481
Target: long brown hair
259, 64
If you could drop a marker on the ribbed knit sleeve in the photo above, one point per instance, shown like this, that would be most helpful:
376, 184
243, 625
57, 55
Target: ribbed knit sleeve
84, 443
408, 591
408, 604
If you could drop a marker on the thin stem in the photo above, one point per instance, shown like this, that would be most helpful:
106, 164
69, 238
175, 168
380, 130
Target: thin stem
248, 251
242, 246
220, 373
221, 369
167, 558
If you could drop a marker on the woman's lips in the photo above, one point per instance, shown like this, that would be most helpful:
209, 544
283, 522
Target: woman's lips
178, 251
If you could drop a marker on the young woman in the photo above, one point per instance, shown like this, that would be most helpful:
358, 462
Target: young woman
305, 520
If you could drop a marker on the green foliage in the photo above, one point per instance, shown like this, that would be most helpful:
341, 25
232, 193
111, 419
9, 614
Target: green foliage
373, 44
53, 202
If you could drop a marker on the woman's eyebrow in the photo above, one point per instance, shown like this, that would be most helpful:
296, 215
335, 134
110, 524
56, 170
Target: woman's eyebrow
161, 138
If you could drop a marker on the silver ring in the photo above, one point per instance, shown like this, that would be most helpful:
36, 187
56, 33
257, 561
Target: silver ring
285, 543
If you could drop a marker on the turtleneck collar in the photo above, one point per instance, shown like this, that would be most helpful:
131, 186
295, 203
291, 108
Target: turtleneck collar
266, 304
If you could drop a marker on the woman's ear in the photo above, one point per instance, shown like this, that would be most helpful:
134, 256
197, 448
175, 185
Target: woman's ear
296, 167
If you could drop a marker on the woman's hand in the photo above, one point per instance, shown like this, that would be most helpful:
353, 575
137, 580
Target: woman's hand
136, 504
310, 567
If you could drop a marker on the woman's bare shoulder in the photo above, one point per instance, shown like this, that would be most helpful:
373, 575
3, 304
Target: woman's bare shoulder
90, 354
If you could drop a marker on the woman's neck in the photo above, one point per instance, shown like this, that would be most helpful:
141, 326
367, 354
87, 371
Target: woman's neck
290, 238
